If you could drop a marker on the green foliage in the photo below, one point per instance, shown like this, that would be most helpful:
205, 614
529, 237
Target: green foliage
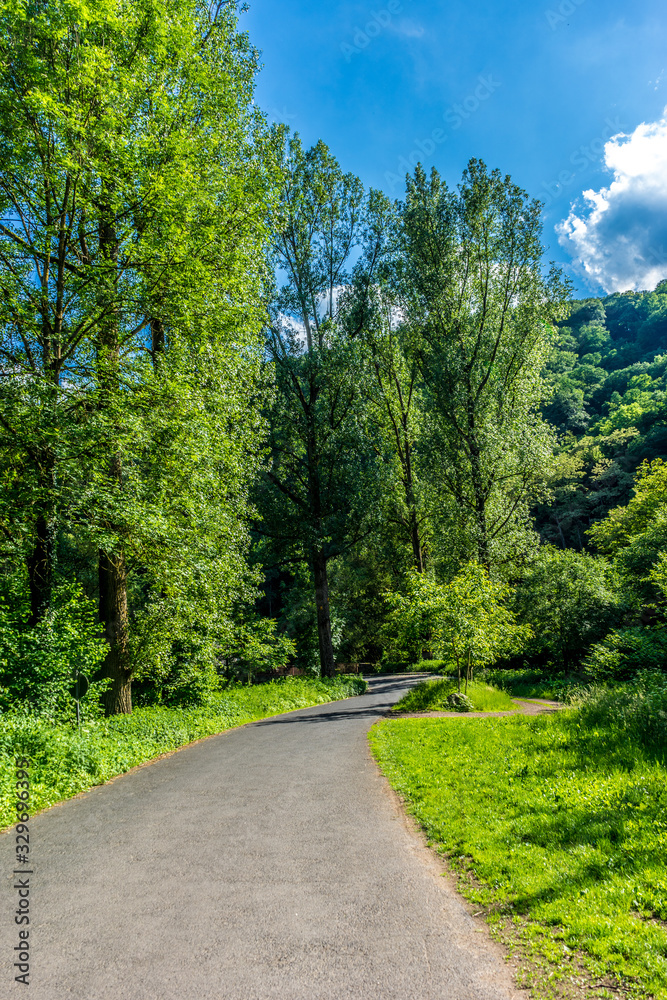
568, 600
560, 819
636, 711
636, 535
648, 504
526, 682
480, 310
64, 762
320, 491
435, 666
436, 695
260, 649
37, 664
624, 652
136, 181
467, 619
607, 370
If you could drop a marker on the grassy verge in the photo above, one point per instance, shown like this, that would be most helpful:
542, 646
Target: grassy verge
557, 826
431, 695
528, 683
65, 762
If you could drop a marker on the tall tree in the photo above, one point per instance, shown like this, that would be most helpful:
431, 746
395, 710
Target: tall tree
474, 289
130, 180
375, 312
318, 493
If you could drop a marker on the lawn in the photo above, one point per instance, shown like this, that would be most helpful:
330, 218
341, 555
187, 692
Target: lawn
65, 762
558, 826
431, 695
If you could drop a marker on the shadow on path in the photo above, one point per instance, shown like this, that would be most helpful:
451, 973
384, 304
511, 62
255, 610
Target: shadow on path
365, 706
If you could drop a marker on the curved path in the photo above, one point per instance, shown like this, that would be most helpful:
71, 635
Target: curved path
268, 862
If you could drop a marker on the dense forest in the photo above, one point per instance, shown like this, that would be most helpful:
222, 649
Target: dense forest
254, 416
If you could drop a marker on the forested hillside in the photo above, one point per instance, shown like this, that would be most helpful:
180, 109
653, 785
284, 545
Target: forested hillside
608, 374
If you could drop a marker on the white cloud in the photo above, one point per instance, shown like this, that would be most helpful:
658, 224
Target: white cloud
619, 238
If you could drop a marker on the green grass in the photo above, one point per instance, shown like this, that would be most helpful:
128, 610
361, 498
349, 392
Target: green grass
434, 666
430, 696
533, 683
560, 825
65, 763
525, 683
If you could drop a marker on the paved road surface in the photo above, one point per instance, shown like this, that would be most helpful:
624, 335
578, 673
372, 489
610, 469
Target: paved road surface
268, 862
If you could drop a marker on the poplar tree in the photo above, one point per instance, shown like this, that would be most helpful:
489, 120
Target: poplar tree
133, 214
476, 294
319, 493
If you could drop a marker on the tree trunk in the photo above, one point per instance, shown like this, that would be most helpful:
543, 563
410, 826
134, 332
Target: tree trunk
158, 339
112, 566
40, 569
113, 615
327, 664
480, 505
41, 561
411, 502
417, 551
560, 531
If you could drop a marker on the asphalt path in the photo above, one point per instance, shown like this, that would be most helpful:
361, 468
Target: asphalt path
272, 861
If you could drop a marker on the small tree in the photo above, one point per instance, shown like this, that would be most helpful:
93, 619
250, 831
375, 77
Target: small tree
260, 648
467, 619
474, 622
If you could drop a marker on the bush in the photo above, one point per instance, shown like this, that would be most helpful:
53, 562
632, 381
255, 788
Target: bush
568, 599
37, 664
624, 652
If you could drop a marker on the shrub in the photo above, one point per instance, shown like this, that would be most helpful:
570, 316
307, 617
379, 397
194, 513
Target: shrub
37, 664
624, 652
568, 599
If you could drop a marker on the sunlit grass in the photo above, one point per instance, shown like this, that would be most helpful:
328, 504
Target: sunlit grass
431, 695
563, 824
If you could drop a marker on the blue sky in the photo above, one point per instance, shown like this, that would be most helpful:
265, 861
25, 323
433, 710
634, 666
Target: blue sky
535, 89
